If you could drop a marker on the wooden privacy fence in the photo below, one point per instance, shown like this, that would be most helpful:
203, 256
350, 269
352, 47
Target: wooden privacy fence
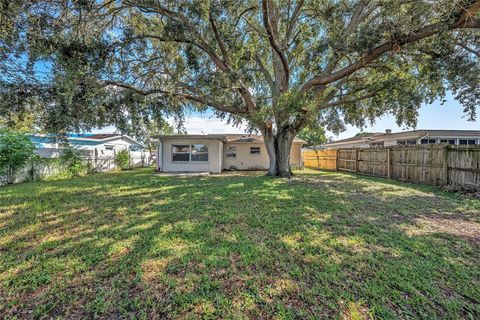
433, 164
320, 159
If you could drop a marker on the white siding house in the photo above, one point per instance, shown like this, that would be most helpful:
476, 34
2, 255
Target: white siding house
454, 137
90, 145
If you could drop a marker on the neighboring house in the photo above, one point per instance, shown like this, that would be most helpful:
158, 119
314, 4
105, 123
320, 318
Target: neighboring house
380, 139
90, 145
215, 152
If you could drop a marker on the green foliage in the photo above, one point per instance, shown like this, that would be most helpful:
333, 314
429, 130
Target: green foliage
122, 159
71, 158
16, 150
313, 135
276, 65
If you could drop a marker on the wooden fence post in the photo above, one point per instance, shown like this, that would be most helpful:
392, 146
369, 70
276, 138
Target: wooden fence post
336, 159
389, 163
356, 161
445, 165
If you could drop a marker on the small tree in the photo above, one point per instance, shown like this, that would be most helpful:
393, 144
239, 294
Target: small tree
314, 135
73, 160
15, 150
122, 159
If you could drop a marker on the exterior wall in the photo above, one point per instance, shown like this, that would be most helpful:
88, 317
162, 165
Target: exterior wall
246, 161
296, 159
214, 163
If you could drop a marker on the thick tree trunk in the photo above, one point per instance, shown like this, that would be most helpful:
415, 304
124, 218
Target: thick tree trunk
278, 148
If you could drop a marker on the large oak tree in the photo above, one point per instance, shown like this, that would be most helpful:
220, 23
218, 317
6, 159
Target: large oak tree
278, 65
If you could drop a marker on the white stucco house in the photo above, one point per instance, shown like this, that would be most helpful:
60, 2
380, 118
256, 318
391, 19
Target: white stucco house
215, 153
90, 145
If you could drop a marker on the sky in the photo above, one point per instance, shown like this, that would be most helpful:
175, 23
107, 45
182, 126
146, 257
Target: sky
433, 116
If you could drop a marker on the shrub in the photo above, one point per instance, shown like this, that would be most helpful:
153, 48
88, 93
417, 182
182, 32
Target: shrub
75, 165
15, 151
122, 159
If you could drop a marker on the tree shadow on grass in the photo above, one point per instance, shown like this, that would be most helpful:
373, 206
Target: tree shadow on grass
139, 245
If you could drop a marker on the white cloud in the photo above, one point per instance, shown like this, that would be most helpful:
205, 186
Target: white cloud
199, 125
195, 125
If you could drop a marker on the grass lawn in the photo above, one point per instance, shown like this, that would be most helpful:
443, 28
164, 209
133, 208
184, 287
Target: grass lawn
325, 245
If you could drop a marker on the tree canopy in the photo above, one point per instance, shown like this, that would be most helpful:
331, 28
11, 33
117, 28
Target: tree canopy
278, 65
314, 135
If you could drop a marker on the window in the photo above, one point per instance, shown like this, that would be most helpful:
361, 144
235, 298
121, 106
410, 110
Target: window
404, 142
189, 153
467, 141
231, 152
254, 150
199, 152
181, 152
135, 148
108, 147
427, 141
449, 141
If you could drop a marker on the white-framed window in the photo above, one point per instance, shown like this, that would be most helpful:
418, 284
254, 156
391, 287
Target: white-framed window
404, 142
135, 148
107, 147
449, 141
231, 152
181, 152
198, 152
189, 153
255, 150
467, 141
428, 141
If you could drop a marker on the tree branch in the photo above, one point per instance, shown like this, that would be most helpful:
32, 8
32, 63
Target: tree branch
219, 40
264, 71
467, 48
342, 102
422, 33
273, 42
195, 98
292, 20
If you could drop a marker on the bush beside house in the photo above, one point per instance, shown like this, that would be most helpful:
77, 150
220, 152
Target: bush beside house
15, 152
122, 159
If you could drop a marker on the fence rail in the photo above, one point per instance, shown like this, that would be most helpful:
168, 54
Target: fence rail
44, 169
433, 164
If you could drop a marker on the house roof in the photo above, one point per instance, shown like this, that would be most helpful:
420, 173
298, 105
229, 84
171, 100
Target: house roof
382, 136
359, 138
230, 138
89, 137
101, 136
